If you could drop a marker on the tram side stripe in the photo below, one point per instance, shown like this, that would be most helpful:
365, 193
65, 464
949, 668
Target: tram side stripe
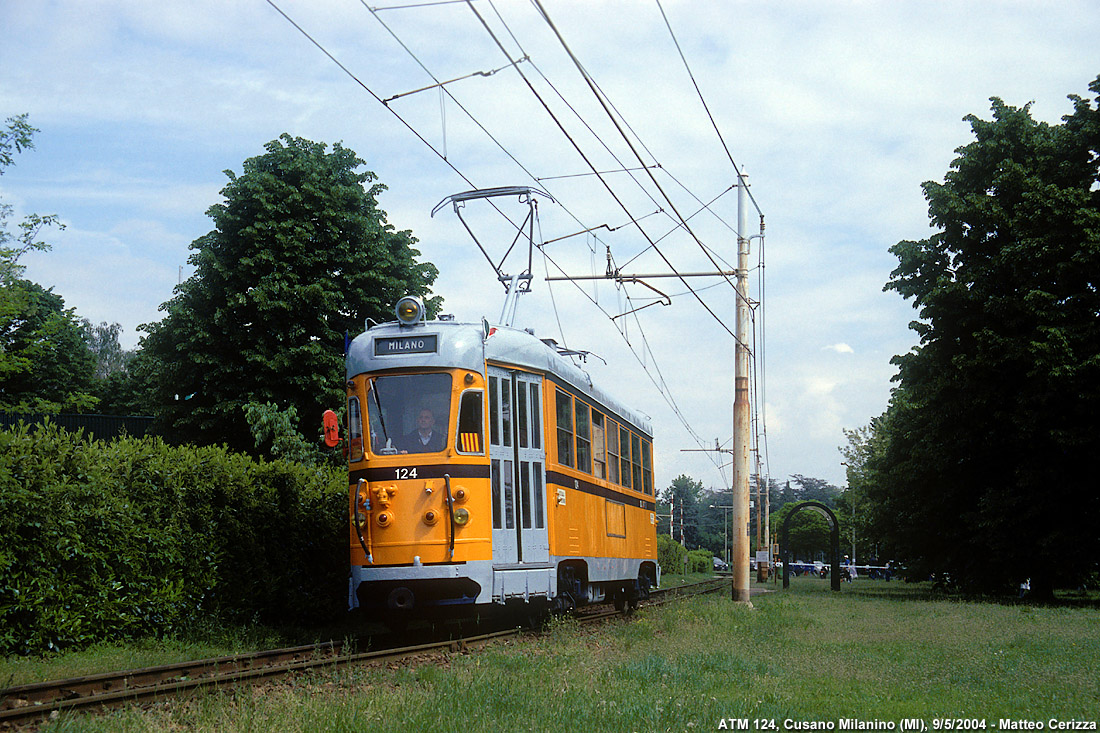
568, 482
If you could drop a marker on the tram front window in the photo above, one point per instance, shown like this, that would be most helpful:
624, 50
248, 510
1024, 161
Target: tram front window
409, 413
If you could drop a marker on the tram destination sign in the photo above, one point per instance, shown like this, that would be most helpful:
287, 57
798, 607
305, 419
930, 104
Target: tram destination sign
398, 345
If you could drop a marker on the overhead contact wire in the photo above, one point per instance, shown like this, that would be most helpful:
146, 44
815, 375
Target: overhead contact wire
595, 170
600, 98
699, 92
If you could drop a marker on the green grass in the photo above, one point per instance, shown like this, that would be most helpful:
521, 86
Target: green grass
873, 651
200, 644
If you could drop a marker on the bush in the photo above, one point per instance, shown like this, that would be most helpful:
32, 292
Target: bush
700, 561
134, 537
670, 554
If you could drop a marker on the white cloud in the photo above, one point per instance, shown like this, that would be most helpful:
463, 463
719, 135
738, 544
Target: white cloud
837, 111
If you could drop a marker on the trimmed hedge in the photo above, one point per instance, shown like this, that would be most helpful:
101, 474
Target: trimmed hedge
700, 561
133, 537
670, 554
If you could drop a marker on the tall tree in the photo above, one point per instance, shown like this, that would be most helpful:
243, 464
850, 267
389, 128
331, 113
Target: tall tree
53, 369
16, 136
300, 255
684, 497
815, 489
121, 383
995, 421
44, 366
854, 507
102, 340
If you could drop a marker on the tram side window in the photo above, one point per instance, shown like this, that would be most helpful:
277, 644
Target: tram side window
540, 503
506, 413
636, 460
624, 457
536, 417
497, 494
647, 466
584, 444
565, 428
355, 430
612, 452
525, 494
494, 413
470, 416
521, 419
599, 452
509, 495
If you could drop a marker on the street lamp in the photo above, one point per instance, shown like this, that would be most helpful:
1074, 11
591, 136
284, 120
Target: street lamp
726, 530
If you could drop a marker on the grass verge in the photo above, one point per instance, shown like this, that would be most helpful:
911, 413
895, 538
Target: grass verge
874, 651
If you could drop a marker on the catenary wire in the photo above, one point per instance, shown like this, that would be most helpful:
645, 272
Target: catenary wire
705, 105
662, 385
664, 391
601, 178
601, 98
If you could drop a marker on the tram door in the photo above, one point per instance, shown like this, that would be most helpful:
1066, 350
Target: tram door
518, 467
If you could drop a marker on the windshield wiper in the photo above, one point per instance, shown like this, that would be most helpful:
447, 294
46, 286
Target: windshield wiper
388, 449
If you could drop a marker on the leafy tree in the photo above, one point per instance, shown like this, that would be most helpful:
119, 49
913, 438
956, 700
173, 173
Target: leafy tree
16, 136
684, 497
300, 256
815, 489
121, 383
129, 390
102, 340
276, 435
52, 368
995, 422
854, 506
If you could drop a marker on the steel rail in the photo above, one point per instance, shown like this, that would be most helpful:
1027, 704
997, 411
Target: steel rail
23, 703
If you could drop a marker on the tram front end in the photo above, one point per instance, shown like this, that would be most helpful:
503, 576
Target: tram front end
418, 468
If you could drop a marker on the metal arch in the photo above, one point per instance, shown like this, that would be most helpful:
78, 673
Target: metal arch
834, 540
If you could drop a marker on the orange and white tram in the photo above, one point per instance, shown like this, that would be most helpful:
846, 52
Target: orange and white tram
486, 469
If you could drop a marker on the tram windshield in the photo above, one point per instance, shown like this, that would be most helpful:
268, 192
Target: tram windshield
409, 413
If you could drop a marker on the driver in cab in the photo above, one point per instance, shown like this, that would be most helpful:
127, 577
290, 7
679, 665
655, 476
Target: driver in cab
425, 439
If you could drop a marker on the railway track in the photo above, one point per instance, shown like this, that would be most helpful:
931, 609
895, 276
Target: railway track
24, 704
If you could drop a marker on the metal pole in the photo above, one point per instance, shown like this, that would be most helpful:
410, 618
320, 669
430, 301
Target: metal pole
726, 537
768, 526
739, 529
759, 525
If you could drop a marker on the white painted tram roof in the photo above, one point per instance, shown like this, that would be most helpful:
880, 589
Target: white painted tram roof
460, 345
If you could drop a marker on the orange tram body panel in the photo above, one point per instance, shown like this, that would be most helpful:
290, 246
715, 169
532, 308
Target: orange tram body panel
485, 469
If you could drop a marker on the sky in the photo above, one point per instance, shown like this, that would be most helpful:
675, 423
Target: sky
836, 113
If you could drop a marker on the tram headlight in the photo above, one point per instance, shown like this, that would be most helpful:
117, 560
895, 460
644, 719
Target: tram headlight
462, 516
409, 310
